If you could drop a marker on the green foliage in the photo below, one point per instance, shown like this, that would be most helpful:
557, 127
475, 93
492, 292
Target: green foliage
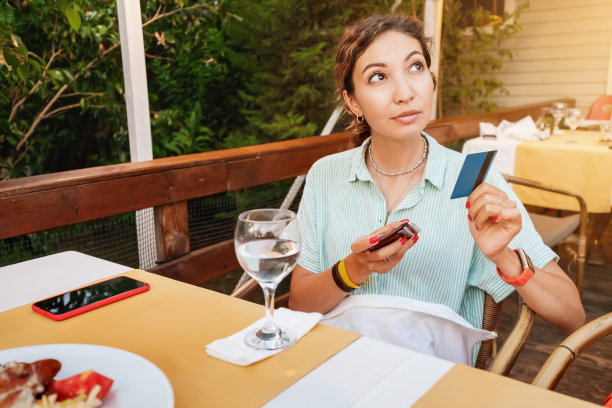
287, 50
220, 73
472, 54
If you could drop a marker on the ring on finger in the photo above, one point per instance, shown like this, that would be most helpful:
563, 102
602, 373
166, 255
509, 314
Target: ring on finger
500, 199
387, 260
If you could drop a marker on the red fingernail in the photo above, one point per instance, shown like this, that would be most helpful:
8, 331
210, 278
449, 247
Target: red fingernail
494, 219
469, 217
403, 240
374, 239
477, 229
415, 238
467, 204
406, 220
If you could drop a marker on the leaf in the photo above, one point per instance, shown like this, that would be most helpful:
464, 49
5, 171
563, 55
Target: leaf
74, 19
2, 60
6, 15
11, 59
22, 72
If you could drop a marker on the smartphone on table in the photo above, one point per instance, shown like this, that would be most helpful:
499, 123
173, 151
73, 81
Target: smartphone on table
77, 301
405, 229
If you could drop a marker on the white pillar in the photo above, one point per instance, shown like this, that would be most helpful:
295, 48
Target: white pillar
137, 104
433, 29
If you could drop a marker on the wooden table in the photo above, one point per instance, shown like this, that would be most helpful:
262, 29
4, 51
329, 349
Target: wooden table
171, 324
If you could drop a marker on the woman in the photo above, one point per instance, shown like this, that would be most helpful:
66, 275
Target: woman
398, 172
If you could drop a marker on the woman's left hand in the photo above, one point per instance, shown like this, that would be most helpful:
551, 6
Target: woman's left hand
494, 219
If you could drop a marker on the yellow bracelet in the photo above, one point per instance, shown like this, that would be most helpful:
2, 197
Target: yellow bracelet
345, 277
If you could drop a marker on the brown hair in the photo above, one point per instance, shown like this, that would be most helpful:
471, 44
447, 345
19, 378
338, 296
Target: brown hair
353, 43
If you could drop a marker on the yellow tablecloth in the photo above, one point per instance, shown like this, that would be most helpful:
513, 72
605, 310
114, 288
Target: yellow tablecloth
584, 167
466, 387
170, 326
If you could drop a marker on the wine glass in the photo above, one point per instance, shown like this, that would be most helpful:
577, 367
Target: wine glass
267, 244
573, 116
558, 111
545, 123
606, 129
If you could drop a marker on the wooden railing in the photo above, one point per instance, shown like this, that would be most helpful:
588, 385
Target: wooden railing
47, 201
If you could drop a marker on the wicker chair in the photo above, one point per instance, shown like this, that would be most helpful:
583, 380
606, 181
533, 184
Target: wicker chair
561, 230
505, 357
553, 369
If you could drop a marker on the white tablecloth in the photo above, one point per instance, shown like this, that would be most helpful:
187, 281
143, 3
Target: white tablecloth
506, 151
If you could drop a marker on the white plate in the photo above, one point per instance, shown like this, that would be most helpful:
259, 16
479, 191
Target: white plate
137, 381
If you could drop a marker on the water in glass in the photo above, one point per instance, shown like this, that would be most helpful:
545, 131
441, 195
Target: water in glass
267, 244
558, 111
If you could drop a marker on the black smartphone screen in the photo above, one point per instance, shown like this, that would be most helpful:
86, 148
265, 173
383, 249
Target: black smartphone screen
82, 297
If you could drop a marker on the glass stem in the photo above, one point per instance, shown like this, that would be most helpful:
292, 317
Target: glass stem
270, 325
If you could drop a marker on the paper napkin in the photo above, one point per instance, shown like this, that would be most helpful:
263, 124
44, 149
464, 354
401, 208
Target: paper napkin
524, 129
234, 350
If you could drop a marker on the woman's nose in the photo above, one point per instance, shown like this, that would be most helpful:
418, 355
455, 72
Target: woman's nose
403, 91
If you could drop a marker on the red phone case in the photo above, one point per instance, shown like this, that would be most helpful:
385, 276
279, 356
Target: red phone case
403, 230
91, 306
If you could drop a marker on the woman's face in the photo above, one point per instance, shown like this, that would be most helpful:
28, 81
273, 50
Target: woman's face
393, 86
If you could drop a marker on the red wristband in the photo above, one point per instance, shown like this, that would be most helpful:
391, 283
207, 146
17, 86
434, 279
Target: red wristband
528, 270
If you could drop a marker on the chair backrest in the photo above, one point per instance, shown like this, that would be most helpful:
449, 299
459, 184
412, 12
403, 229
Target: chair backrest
601, 109
505, 358
557, 227
557, 363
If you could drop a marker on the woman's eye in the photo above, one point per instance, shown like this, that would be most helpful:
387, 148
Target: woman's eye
417, 66
377, 77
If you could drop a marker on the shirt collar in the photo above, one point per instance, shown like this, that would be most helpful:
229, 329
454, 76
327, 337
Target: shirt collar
434, 168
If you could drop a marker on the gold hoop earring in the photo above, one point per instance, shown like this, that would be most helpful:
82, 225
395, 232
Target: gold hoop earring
360, 119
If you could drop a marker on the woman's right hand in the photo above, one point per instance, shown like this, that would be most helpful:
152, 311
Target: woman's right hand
360, 263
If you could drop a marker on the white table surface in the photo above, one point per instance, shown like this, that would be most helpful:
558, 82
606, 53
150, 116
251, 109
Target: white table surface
40, 278
364, 374
506, 151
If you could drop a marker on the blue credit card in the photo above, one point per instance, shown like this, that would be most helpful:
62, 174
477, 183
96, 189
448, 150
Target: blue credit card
474, 170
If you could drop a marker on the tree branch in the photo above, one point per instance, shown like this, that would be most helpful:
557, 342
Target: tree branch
44, 112
159, 15
36, 85
157, 57
83, 93
68, 107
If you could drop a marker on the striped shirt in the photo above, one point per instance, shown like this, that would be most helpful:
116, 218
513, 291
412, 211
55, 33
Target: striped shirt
341, 202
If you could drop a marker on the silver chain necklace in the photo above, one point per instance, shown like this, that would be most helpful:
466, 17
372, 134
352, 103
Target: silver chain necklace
399, 173
397, 200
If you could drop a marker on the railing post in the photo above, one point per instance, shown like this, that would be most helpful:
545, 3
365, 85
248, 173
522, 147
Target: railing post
171, 231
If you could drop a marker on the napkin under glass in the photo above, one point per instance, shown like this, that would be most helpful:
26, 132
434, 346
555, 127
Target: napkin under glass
234, 350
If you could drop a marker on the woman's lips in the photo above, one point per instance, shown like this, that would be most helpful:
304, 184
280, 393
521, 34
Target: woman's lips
406, 118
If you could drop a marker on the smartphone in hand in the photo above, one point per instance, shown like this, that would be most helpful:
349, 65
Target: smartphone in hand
77, 301
405, 229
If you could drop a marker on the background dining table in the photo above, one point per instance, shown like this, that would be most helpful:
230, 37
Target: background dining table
171, 324
583, 166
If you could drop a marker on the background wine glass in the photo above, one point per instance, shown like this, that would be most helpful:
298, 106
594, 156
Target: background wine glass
573, 116
606, 130
546, 123
267, 244
558, 111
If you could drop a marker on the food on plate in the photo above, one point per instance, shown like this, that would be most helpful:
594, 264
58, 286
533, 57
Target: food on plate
81, 384
32, 385
82, 401
20, 382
